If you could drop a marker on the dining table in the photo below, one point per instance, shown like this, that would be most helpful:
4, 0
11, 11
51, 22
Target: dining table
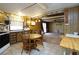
34, 38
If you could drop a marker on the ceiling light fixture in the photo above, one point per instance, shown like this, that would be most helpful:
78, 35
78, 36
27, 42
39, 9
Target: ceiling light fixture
20, 14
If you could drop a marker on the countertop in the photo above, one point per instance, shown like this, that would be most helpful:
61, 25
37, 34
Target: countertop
7, 32
4, 33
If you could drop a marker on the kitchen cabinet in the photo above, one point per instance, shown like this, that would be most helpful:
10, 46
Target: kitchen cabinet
19, 36
71, 19
66, 15
15, 37
1, 18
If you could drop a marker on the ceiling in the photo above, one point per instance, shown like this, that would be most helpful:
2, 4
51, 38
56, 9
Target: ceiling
35, 9
13, 7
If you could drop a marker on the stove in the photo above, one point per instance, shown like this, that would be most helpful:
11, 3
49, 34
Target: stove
4, 40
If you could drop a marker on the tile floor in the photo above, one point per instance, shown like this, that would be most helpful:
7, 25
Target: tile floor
51, 47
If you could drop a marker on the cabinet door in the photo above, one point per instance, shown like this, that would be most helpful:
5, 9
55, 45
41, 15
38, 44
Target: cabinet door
2, 18
13, 38
71, 19
76, 19
71, 16
66, 16
19, 37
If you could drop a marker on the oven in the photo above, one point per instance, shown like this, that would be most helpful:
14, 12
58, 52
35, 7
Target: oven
4, 39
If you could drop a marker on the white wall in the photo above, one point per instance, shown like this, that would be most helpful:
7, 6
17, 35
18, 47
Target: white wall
54, 27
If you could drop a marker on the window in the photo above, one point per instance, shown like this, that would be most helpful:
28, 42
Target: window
16, 24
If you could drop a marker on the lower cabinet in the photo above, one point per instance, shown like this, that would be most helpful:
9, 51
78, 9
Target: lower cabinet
15, 37
19, 36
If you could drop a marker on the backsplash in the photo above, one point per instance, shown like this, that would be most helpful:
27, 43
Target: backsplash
1, 27
4, 27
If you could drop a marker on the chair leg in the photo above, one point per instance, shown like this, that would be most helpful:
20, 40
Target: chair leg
36, 46
42, 43
22, 51
29, 50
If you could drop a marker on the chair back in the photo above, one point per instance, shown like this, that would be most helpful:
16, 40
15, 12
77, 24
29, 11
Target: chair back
26, 39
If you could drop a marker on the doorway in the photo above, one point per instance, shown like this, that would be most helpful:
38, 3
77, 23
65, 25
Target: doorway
44, 27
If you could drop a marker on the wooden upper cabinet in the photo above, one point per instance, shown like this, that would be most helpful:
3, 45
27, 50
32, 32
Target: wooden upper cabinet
71, 17
2, 17
71, 13
66, 15
76, 19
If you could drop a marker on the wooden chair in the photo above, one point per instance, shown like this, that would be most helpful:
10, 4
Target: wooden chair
25, 42
28, 44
